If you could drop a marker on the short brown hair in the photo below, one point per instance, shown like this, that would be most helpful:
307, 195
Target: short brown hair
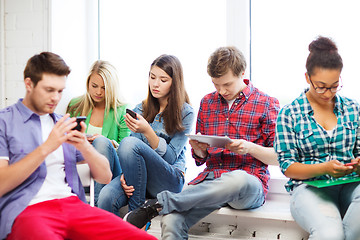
45, 62
225, 59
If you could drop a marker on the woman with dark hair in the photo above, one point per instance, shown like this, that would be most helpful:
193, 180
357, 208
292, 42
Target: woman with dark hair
153, 156
318, 138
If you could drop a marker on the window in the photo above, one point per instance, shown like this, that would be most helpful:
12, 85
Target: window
75, 41
134, 33
281, 32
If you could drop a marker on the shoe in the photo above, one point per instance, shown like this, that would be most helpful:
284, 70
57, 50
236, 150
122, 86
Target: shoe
147, 227
142, 215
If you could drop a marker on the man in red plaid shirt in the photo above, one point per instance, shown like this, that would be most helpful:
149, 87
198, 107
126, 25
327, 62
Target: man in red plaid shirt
236, 175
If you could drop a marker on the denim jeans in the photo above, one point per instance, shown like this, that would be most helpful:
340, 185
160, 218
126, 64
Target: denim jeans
328, 213
144, 169
237, 189
105, 147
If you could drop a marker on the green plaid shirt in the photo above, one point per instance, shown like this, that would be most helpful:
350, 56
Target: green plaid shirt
299, 138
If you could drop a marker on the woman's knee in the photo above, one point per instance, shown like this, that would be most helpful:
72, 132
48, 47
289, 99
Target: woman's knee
128, 145
109, 193
105, 197
101, 142
328, 233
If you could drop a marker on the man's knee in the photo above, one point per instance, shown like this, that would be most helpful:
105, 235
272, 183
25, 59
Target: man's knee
173, 226
238, 180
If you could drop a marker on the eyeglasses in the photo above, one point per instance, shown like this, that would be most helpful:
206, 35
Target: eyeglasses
324, 89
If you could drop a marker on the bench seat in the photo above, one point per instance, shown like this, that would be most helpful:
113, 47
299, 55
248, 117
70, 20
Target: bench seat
273, 220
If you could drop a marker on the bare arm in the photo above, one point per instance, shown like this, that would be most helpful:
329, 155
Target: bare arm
9, 174
333, 168
267, 155
13, 175
98, 164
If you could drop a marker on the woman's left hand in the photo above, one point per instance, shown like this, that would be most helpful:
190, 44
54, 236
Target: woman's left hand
356, 167
127, 189
92, 138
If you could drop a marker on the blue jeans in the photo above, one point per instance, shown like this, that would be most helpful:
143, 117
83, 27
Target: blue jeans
237, 189
144, 169
328, 213
105, 147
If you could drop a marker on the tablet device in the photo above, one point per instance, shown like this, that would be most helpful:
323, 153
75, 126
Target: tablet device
213, 141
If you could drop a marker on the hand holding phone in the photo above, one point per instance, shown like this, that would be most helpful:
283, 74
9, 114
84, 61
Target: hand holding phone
78, 120
131, 113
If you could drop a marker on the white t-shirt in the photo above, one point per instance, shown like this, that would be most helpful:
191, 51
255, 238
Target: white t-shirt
230, 103
330, 132
54, 186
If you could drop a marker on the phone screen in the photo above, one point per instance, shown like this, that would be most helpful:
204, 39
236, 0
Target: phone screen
131, 112
78, 120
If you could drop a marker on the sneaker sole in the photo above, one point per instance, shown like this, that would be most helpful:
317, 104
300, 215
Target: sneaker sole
126, 216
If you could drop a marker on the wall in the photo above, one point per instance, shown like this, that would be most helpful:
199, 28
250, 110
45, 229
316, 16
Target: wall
28, 27
24, 28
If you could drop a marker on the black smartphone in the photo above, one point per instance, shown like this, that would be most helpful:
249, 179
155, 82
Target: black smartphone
78, 120
131, 113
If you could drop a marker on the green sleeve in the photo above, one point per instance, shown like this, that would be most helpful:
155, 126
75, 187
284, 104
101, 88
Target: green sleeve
123, 130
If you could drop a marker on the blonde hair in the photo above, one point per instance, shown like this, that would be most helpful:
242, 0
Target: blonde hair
113, 97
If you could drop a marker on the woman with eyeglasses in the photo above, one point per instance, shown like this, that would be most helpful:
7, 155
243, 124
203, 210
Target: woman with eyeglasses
318, 138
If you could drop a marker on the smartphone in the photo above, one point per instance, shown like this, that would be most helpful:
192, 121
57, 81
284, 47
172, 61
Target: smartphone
78, 120
350, 164
131, 113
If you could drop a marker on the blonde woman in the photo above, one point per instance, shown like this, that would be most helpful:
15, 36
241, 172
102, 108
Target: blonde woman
103, 106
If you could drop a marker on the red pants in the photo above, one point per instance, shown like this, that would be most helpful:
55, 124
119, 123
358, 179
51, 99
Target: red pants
70, 218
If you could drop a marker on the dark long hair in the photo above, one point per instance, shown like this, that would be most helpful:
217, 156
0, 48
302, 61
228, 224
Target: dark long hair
177, 96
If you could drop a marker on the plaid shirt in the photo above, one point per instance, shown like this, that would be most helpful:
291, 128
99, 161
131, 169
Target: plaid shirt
300, 139
252, 117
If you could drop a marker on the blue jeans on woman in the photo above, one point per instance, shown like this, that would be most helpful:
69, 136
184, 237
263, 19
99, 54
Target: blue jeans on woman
145, 170
104, 146
330, 213
238, 189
